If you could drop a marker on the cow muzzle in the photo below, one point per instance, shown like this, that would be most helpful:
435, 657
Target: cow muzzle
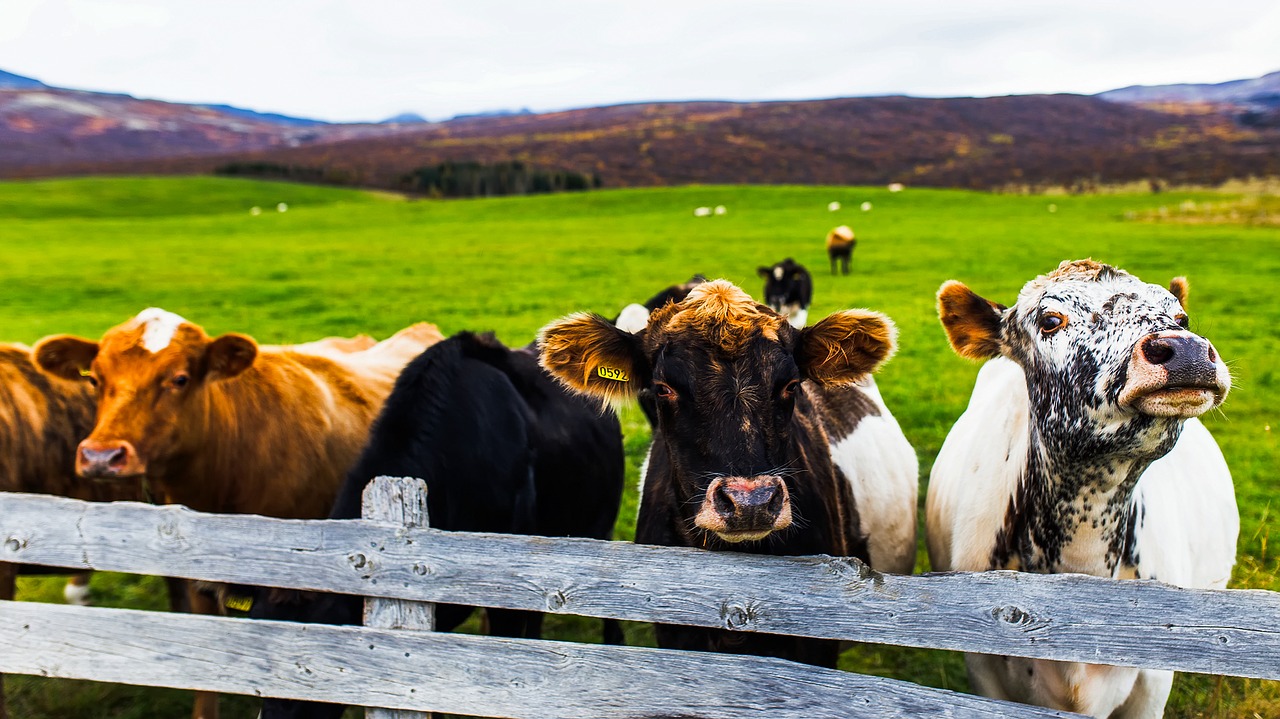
1175, 374
745, 509
116, 459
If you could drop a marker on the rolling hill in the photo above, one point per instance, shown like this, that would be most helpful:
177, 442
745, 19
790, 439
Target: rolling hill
1029, 140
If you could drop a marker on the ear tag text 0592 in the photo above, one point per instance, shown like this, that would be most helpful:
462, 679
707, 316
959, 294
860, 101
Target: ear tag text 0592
612, 373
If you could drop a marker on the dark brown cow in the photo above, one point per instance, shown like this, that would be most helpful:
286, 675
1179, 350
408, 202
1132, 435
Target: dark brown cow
769, 439
223, 425
41, 420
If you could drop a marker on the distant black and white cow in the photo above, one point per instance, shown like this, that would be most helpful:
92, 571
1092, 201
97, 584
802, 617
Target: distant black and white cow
633, 316
1056, 465
769, 439
788, 290
503, 448
840, 245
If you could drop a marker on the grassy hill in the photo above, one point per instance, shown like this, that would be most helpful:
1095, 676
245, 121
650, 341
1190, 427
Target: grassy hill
83, 255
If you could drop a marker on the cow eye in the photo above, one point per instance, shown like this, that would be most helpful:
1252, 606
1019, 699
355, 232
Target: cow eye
180, 380
790, 389
1051, 322
93, 381
1183, 321
663, 390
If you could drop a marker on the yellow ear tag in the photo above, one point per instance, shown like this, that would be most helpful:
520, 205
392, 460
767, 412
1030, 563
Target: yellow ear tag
612, 373
239, 602
84, 373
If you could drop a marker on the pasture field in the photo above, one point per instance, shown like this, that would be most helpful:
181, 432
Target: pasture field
82, 255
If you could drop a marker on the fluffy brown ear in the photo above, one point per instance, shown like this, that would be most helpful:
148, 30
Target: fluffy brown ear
229, 355
846, 346
1180, 289
972, 323
591, 356
65, 356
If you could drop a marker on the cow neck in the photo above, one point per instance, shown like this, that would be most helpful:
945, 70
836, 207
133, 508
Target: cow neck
239, 416
1075, 514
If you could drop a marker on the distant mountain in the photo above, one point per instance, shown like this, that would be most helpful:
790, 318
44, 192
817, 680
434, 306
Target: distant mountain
1033, 140
404, 118
45, 128
493, 113
1263, 90
10, 80
265, 116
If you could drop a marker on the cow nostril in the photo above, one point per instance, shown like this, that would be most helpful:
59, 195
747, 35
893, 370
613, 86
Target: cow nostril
774, 505
1157, 351
1213, 357
723, 502
116, 459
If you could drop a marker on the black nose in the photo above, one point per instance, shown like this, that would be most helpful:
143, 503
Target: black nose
1189, 361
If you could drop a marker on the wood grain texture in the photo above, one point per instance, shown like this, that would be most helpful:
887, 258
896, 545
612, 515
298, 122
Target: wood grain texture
431, 671
402, 500
1063, 617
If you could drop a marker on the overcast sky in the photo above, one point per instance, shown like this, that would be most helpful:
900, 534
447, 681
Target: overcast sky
354, 60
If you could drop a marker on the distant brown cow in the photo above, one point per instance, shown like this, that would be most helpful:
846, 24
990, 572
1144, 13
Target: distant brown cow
223, 424
840, 244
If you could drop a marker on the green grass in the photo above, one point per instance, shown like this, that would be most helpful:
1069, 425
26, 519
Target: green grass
80, 256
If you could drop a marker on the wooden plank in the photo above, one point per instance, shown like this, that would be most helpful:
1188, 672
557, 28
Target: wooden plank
430, 671
1062, 617
402, 500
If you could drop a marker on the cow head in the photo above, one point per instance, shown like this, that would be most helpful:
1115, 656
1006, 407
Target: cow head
726, 375
150, 374
1109, 361
784, 283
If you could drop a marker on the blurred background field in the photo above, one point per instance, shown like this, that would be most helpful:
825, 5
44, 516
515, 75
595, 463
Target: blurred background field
82, 255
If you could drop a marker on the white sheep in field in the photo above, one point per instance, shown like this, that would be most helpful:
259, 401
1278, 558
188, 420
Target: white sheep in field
895, 187
721, 209
833, 207
702, 212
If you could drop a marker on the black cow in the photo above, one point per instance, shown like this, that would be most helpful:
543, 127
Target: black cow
502, 447
788, 290
769, 439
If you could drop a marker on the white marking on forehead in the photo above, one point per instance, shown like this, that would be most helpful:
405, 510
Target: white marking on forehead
777, 273
160, 326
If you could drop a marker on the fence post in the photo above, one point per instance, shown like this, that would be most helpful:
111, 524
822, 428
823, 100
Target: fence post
402, 500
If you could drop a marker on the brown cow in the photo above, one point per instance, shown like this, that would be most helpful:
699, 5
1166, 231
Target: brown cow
224, 425
41, 419
840, 245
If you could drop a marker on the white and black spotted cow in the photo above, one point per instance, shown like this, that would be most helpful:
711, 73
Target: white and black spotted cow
788, 290
768, 439
1080, 452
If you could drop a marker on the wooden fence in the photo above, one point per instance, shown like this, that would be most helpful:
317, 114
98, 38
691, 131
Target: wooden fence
402, 566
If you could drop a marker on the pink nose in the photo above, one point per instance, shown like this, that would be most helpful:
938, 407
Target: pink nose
740, 508
107, 460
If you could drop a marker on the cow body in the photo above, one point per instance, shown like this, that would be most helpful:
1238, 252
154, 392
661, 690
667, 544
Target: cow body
502, 448
840, 246
788, 290
768, 439
1081, 453
223, 425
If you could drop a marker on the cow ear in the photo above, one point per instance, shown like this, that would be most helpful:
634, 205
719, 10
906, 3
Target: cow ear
764, 271
592, 357
65, 356
846, 346
229, 355
1180, 289
972, 323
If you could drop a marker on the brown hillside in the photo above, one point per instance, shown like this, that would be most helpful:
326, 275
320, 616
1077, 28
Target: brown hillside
964, 142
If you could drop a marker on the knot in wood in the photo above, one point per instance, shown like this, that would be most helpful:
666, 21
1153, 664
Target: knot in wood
1013, 615
421, 569
556, 600
357, 560
737, 616
15, 544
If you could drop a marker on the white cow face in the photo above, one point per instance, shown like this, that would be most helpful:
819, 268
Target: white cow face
1109, 361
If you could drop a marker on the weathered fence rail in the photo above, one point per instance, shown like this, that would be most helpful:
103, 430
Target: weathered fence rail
1061, 617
